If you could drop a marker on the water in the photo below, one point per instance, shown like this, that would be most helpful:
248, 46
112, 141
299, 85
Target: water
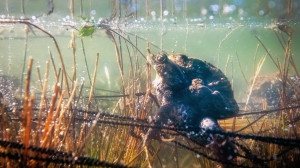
233, 35
231, 46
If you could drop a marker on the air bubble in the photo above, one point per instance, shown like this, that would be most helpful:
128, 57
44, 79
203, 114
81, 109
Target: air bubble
153, 13
214, 8
165, 12
93, 12
203, 11
241, 11
261, 12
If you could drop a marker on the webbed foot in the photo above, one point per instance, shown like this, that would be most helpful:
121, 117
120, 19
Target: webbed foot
221, 146
152, 134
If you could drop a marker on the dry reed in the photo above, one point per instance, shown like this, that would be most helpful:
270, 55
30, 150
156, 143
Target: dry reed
59, 118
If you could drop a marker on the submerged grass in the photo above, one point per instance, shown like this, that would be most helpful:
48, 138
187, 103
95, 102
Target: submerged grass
64, 127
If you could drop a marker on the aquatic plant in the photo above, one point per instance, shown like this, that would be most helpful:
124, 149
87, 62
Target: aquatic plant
59, 120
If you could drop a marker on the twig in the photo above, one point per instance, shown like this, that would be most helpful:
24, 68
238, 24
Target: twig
51, 36
222, 41
269, 54
254, 59
85, 60
50, 6
134, 46
53, 64
238, 59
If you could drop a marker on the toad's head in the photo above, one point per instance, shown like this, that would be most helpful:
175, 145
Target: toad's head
167, 71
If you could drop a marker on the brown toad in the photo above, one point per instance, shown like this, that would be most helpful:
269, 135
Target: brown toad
270, 91
193, 94
192, 89
209, 88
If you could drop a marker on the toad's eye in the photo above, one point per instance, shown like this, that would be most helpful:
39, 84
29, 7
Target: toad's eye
161, 58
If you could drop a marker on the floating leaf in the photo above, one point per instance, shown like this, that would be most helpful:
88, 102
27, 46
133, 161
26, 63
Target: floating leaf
86, 31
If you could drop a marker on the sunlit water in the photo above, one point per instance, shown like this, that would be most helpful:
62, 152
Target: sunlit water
228, 39
232, 46
224, 34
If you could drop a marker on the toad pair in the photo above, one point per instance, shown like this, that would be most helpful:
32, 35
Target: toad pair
192, 94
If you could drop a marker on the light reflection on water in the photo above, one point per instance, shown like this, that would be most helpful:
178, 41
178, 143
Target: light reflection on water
222, 33
231, 46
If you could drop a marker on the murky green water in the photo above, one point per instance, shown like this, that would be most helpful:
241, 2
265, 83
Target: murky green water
233, 35
199, 29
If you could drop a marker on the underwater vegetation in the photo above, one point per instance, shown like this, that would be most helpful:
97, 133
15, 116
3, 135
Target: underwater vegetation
80, 90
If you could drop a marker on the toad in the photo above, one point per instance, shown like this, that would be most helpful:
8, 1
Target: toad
192, 84
270, 91
191, 92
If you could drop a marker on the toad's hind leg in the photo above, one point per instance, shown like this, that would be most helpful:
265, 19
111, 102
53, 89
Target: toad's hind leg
162, 118
220, 145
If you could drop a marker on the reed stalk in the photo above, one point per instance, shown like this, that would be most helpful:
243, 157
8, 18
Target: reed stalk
259, 66
147, 8
227, 63
73, 47
240, 66
85, 60
39, 77
82, 141
50, 114
53, 64
114, 142
120, 65
66, 107
43, 103
71, 7
25, 55
88, 135
22, 7
27, 112
49, 136
268, 52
